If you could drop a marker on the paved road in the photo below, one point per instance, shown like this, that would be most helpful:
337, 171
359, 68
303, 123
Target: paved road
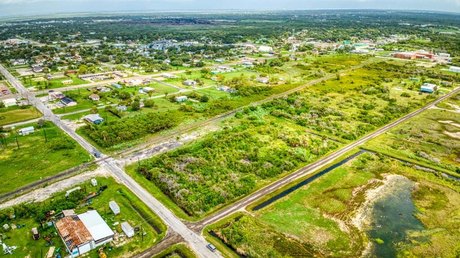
196, 241
243, 203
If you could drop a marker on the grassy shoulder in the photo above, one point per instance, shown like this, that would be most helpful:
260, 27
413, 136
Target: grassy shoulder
13, 115
150, 228
46, 152
180, 250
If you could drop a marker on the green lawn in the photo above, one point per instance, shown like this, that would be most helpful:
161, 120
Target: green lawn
13, 115
151, 229
36, 159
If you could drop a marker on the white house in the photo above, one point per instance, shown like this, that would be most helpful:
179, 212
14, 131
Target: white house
94, 119
127, 229
265, 49
10, 102
428, 88
180, 98
26, 131
189, 83
114, 207
263, 80
454, 69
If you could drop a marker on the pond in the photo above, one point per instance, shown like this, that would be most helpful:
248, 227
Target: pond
393, 217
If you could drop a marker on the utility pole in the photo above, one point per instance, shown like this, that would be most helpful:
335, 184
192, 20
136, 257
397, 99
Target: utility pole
44, 133
15, 137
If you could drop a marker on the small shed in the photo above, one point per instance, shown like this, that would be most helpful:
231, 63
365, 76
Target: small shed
114, 207
127, 229
26, 131
180, 98
35, 234
93, 182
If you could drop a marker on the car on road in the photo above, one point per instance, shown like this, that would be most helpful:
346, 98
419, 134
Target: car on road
211, 247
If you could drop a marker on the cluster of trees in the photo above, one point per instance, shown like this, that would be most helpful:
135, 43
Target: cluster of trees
229, 164
39, 211
129, 128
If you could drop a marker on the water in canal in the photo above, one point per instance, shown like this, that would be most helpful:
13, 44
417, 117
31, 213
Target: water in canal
393, 217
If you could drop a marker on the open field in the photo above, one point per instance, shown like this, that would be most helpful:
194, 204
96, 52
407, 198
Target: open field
303, 127
41, 83
432, 138
320, 216
151, 229
37, 157
15, 114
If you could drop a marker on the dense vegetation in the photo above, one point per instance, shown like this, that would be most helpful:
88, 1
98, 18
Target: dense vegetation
232, 163
129, 128
258, 145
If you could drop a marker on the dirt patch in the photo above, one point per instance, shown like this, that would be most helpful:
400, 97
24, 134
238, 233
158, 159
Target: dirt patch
44, 193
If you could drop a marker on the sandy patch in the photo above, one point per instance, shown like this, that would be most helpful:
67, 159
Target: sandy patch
452, 135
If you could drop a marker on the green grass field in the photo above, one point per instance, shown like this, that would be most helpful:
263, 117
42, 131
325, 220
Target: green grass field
36, 159
13, 115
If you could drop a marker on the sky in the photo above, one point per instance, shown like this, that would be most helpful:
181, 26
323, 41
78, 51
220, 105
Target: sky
27, 7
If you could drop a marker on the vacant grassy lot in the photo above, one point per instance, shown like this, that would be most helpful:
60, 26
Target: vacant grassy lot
151, 229
229, 164
432, 138
258, 145
13, 115
36, 159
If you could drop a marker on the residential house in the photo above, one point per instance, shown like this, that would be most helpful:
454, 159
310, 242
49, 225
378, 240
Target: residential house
94, 119
189, 83
10, 102
94, 97
428, 88
454, 69
264, 80
180, 98
68, 102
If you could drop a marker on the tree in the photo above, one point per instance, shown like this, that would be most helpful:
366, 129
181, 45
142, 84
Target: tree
149, 103
94, 110
136, 105
204, 98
